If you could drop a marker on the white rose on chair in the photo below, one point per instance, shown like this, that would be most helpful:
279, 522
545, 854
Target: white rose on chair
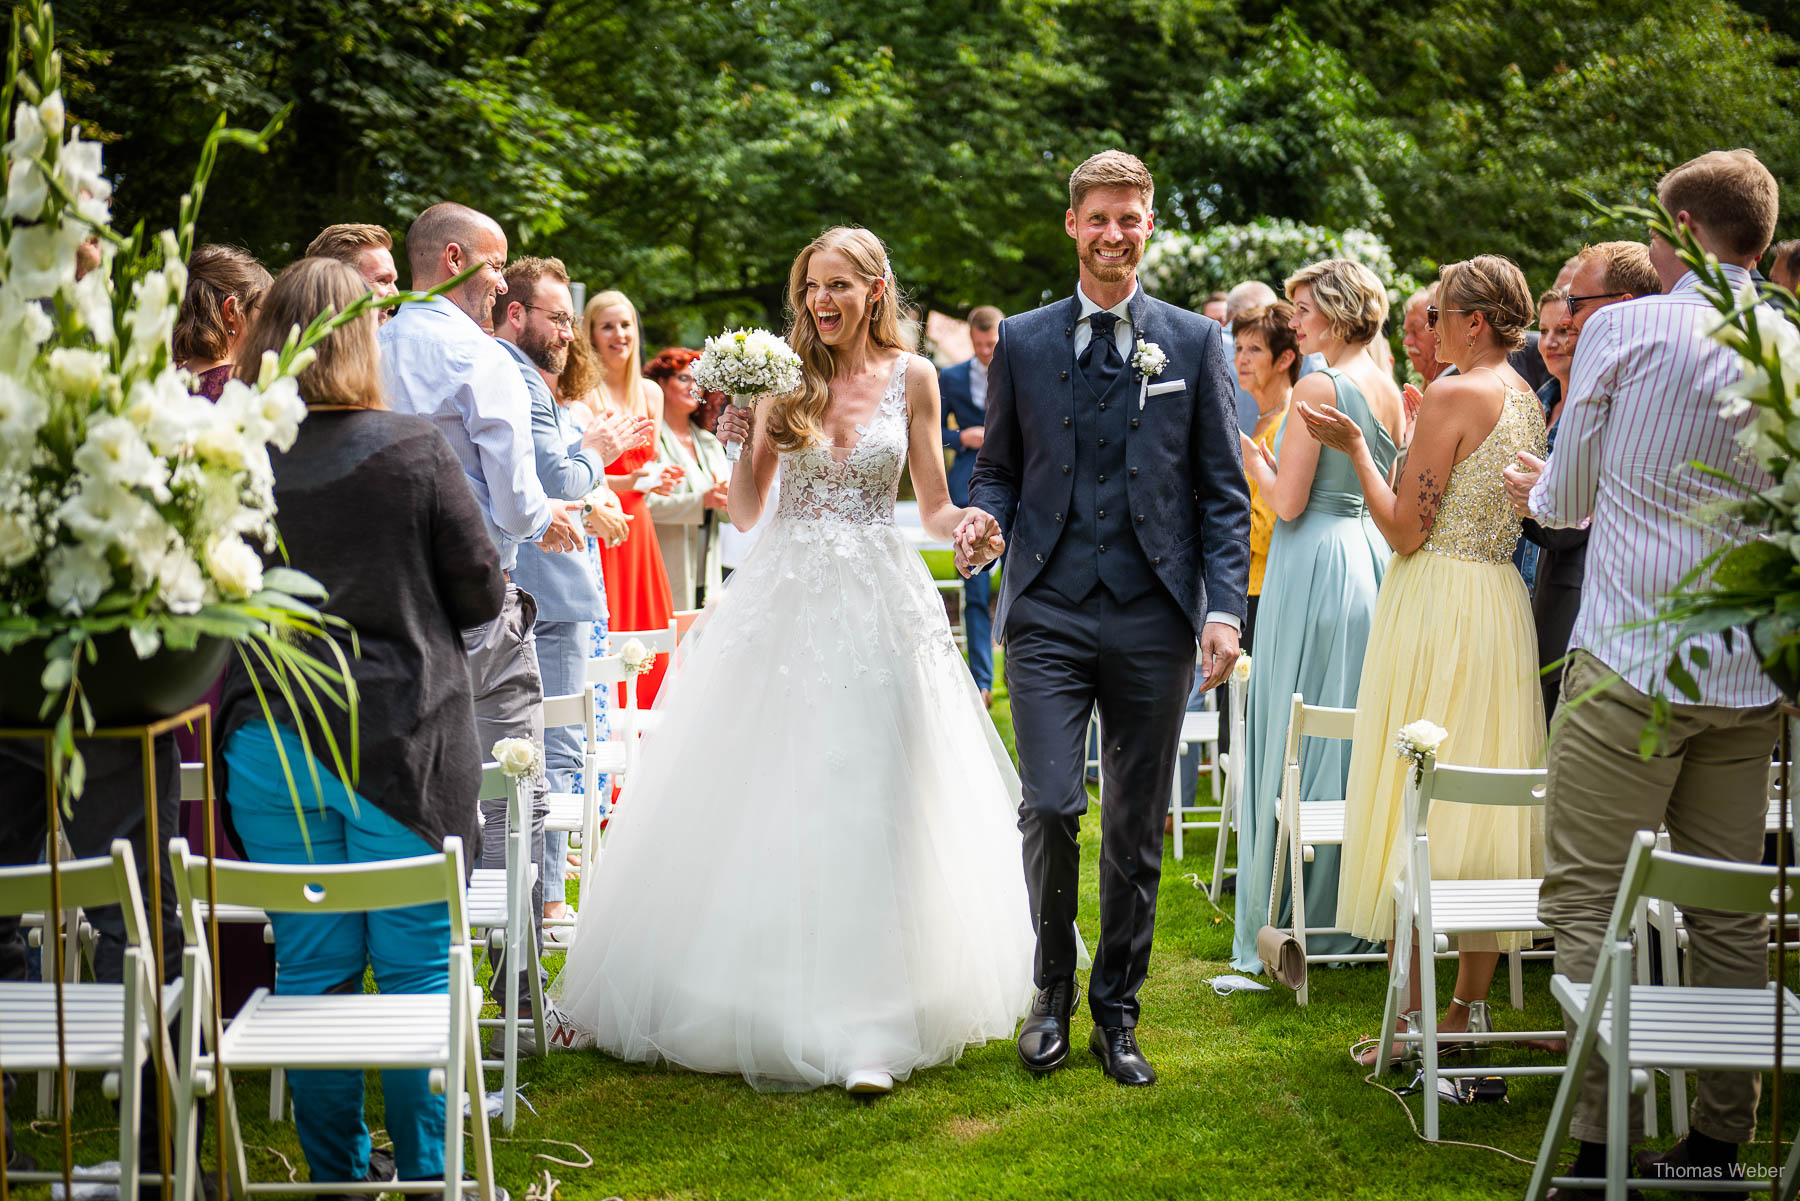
1240, 671
1418, 740
519, 758
637, 657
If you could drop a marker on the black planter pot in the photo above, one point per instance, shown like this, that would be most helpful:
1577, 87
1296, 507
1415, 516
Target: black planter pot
122, 688
1765, 635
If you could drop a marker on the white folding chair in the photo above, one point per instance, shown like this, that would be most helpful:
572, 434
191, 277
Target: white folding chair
1435, 910
78, 945
1230, 764
636, 716
106, 1028
500, 906
1303, 826
1198, 730
431, 1031
1641, 1028
579, 813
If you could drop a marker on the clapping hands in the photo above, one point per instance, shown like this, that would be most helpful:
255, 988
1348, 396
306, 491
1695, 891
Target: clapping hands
977, 541
611, 434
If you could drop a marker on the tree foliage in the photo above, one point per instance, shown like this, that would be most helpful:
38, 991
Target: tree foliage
685, 149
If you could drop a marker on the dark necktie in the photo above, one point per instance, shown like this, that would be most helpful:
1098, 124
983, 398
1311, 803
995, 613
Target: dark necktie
1100, 361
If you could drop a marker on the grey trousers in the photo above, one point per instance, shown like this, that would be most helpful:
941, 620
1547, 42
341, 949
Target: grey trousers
1710, 788
509, 697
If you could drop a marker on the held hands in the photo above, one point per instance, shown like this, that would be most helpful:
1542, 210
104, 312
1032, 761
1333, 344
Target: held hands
1520, 478
1332, 428
977, 540
734, 424
606, 519
564, 532
1218, 653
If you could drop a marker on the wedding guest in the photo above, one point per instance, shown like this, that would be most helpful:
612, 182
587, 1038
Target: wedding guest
1420, 340
1643, 410
419, 568
963, 387
534, 322
688, 517
1453, 601
369, 251
1215, 307
1251, 294
1621, 271
437, 363
1324, 565
1784, 264
224, 286
637, 583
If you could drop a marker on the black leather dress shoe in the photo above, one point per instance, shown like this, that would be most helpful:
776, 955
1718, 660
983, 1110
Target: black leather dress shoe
1044, 1038
1119, 1055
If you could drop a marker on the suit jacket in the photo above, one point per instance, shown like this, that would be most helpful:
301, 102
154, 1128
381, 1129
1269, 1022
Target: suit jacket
1185, 471
564, 585
959, 403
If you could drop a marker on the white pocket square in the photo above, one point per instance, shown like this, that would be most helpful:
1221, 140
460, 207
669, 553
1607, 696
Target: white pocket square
1174, 385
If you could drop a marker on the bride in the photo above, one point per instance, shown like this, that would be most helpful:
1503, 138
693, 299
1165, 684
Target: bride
813, 877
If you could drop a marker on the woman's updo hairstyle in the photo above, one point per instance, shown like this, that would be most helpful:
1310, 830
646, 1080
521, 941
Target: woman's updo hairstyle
1492, 285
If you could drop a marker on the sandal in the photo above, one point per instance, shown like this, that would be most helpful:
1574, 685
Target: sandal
1364, 1052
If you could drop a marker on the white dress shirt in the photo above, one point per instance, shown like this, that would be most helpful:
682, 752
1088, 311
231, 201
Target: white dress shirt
1643, 407
438, 364
978, 384
1124, 338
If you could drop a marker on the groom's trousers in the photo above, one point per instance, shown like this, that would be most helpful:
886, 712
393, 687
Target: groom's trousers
1134, 661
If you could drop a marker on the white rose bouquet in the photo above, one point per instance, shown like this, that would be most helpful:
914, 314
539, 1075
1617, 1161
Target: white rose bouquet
747, 363
134, 515
519, 758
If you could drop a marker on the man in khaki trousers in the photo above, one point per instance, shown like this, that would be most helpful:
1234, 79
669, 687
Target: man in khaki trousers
1643, 407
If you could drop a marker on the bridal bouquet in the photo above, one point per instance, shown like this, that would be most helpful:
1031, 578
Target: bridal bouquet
748, 362
134, 516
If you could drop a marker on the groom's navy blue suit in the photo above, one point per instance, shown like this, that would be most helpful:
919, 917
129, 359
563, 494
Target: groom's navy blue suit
1125, 528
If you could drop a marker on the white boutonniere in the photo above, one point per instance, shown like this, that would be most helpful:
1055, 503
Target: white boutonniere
1148, 360
519, 758
1418, 741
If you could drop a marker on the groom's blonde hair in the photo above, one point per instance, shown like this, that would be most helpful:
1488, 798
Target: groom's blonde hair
1111, 169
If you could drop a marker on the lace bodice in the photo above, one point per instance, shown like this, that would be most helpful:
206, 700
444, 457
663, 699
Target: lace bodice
1475, 520
860, 487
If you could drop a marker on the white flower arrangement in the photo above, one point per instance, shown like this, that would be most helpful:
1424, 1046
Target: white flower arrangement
748, 362
1240, 671
636, 657
1148, 360
519, 758
1419, 741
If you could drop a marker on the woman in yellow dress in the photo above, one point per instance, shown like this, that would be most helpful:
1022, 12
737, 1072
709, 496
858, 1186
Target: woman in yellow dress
1453, 640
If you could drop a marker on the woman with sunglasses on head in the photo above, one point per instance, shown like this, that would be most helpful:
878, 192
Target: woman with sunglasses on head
1324, 563
1453, 630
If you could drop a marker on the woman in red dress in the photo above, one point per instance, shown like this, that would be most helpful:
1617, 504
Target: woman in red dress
637, 585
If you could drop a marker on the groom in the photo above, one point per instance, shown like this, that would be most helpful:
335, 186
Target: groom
1117, 482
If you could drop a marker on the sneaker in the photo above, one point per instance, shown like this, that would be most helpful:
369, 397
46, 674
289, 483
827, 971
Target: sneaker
562, 1031
559, 937
868, 1082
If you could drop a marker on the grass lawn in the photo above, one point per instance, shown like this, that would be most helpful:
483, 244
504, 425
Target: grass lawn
1257, 1099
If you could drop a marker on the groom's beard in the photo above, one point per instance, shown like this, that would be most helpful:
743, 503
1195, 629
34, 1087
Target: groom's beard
1110, 271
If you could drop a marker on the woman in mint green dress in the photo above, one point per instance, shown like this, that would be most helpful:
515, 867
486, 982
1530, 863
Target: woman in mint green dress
1324, 568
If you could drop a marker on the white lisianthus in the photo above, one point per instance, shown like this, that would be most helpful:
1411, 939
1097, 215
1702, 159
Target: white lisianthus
151, 318
115, 451
280, 410
28, 134
26, 191
519, 758
78, 167
93, 306
636, 657
1240, 671
103, 511
22, 412
24, 326
170, 416
235, 568
181, 585
78, 374
77, 577
43, 260
1418, 739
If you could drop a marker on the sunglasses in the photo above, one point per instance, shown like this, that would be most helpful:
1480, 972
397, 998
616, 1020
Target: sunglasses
1432, 311
1575, 302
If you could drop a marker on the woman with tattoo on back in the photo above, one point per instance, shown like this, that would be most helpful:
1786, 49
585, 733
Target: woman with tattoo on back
1453, 640
1318, 591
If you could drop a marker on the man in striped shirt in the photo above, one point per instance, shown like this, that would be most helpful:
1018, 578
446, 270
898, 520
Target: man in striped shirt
1643, 408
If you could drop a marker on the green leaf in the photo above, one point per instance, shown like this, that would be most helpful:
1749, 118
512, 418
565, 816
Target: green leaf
1754, 566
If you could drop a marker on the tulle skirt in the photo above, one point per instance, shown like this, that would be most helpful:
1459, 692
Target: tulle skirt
815, 868
1453, 642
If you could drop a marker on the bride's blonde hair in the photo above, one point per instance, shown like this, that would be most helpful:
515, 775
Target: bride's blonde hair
797, 419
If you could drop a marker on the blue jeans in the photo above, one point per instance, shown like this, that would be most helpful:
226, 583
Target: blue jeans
562, 648
979, 624
327, 953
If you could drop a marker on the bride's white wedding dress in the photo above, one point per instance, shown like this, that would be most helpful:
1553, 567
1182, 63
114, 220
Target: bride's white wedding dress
815, 868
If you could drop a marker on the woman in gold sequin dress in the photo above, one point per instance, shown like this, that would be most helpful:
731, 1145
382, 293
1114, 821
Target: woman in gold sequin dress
1453, 640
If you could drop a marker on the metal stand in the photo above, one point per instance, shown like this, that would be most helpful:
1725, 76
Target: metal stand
145, 735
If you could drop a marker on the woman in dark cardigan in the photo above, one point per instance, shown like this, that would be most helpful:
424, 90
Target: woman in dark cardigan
375, 506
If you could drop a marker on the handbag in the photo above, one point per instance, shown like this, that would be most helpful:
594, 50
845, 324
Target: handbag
1281, 956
